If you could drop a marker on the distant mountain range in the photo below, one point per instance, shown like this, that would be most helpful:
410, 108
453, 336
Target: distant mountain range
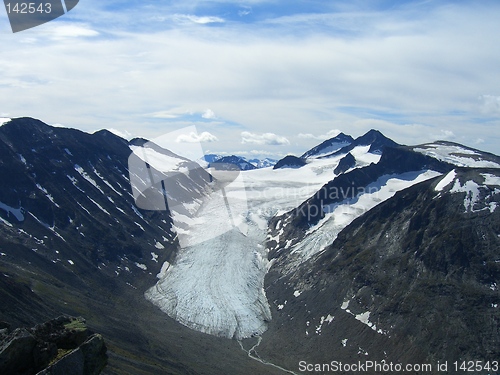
357, 250
244, 163
342, 144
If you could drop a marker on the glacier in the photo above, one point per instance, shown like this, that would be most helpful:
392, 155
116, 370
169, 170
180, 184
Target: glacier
216, 283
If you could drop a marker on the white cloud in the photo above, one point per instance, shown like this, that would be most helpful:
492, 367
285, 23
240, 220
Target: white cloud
244, 11
330, 134
479, 141
257, 153
490, 104
199, 20
263, 139
69, 31
208, 114
444, 135
171, 113
194, 138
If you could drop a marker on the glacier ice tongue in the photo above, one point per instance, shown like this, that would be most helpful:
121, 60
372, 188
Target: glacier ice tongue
216, 287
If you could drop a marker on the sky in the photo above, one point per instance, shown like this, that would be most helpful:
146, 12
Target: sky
262, 78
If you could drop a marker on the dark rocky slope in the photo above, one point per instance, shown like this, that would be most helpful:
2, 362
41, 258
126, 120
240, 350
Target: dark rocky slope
346, 163
414, 280
290, 161
60, 346
73, 242
329, 146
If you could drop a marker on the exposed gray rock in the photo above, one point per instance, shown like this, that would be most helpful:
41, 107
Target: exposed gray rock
345, 163
16, 352
60, 346
290, 161
88, 359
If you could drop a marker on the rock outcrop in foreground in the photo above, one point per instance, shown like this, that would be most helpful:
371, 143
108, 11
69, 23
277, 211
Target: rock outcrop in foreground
60, 346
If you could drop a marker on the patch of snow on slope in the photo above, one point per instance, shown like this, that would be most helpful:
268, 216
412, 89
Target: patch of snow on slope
159, 161
6, 222
362, 317
86, 176
137, 212
49, 197
107, 182
4, 120
457, 155
471, 189
491, 179
99, 206
87, 211
363, 157
74, 181
141, 266
328, 319
49, 227
446, 180
163, 270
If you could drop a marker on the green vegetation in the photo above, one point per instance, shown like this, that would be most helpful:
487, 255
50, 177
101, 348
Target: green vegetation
76, 324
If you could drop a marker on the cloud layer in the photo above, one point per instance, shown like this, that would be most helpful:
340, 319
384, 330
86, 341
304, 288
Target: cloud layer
196, 138
263, 139
414, 71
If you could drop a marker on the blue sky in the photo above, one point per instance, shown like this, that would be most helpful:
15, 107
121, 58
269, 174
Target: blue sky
262, 78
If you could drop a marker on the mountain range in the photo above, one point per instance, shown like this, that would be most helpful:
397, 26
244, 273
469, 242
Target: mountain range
243, 163
357, 250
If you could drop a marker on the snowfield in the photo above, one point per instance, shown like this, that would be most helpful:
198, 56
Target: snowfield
456, 154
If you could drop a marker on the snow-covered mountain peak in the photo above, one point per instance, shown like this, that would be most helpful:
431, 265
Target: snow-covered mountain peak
238, 161
329, 146
243, 162
263, 163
